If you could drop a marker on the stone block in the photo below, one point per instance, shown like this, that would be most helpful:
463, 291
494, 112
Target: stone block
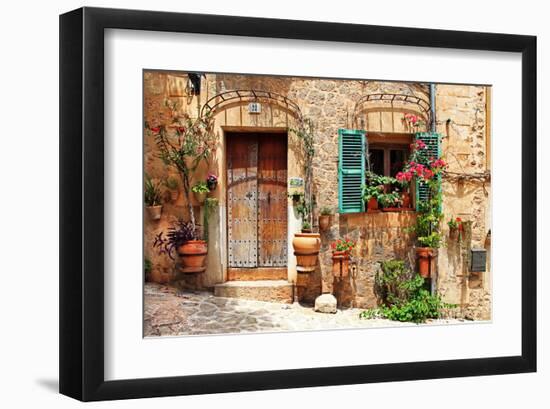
326, 303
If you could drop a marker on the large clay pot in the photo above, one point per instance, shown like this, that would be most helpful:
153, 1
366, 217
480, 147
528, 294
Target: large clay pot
324, 221
424, 255
340, 264
306, 249
193, 255
372, 204
154, 212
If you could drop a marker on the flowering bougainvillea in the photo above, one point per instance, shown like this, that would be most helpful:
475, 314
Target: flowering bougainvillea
413, 120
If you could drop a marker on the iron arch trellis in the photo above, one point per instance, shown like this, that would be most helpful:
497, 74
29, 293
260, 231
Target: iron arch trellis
218, 101
391, 98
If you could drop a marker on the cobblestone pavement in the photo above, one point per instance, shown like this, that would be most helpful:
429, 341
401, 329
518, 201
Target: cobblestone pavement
170, 311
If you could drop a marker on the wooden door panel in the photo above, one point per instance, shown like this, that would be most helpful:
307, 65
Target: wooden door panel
242, 191
272, 200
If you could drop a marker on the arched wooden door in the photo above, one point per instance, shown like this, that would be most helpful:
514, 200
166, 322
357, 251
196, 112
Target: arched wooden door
257, 205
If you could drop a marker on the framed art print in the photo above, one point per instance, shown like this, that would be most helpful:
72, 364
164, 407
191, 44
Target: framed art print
253, 204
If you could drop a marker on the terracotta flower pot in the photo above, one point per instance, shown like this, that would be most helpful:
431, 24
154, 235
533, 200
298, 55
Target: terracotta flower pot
200, 197
306, 249
193, 255
324, 221
154, 212
453, 233
174, 194
406, 198
424, 255
372, 204
340, 263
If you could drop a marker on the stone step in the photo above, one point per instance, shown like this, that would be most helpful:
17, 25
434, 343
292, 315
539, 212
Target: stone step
259, 290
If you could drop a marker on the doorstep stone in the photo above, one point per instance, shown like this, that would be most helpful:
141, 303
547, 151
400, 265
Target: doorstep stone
259, 290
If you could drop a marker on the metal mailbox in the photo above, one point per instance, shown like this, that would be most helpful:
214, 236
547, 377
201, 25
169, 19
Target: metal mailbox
478, 260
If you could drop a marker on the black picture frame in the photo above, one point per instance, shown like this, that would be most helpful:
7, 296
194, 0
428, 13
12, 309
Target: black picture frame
81, 280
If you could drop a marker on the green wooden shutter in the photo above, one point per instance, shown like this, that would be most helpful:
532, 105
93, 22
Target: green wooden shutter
351, 170
433, 144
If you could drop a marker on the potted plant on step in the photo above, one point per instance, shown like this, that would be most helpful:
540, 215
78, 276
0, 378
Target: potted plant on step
341, 251
200, 190
306, 244
153, 203
183, 240
172, 185
324, 218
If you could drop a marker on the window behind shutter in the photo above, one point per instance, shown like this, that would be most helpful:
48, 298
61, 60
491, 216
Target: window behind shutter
433, 144
351, 170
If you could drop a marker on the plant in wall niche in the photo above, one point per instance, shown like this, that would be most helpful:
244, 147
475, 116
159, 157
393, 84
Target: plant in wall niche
152, 198
324, 218
184, 142
341, 253
200, 190
306, 244
182, 239
455, 228
403, 295
172, 186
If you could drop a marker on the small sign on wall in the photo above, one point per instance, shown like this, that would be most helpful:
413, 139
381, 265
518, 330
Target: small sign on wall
254, 108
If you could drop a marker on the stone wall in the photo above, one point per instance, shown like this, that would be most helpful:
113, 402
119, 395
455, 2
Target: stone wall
461, 116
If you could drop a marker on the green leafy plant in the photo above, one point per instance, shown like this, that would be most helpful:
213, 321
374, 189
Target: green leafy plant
210, 204
392, 199
171, 183
200, 187
429, 215
151, 193
184, 142
403, 295
306, 225
375, 187
147, 266
305, 134
326, 211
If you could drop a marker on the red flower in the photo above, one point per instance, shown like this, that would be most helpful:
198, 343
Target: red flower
181, 129
155, 129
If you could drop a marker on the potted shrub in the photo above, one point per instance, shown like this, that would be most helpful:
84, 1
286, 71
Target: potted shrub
455, 228
324, 218
182, 239
211, 182
370, 197
426, 251
172, 185
152, 199
341, 251
200, 190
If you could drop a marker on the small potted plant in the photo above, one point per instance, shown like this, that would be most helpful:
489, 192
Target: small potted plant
341, 251
200, 190
306, 227
425, 252
172, 185
390, 202
183, 240
324, 218
455, 228
153, 203
296, 196
211, 182
370, 197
